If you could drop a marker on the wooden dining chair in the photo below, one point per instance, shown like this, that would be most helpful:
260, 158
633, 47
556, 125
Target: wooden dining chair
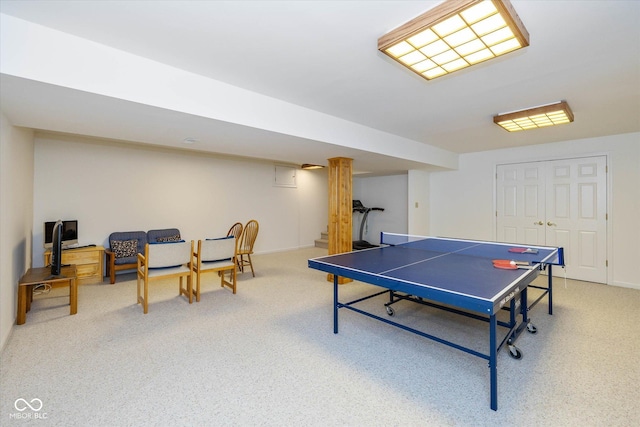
245, 247
235, 231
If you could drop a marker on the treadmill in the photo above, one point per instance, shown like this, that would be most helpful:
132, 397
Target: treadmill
361, 243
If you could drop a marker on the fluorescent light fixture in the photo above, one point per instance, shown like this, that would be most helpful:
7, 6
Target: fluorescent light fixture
454, 35
308, 166
536, 117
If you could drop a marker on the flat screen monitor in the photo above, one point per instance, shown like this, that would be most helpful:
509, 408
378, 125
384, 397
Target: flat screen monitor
56, 249
69, 233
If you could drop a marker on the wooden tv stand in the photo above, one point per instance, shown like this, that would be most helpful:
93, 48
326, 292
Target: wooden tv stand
88, 262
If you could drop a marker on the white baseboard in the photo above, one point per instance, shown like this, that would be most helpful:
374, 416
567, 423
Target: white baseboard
285, 249
627, 285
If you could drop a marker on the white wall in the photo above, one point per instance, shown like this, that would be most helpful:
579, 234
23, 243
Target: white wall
16, 214
405, 199
111, 187
313, 204
418, 203
463, 203
388, 192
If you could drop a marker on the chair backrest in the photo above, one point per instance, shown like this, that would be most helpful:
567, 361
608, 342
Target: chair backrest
127, 244
223, 249
163, 235
249, 235
235, 231
161, 255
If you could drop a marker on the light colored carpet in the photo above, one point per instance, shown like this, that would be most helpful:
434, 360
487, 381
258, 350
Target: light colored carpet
268, 356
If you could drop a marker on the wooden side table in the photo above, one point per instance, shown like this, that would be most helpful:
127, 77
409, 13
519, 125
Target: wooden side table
42, 275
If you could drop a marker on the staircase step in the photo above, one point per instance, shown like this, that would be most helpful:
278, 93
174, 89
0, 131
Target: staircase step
322, 243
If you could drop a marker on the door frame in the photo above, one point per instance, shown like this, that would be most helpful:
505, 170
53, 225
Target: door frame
608, 185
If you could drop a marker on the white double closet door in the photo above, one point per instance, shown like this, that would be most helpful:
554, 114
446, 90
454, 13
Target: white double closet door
557, 203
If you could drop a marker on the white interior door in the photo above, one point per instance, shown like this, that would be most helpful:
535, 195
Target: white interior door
576, 215
557, 203
521, 203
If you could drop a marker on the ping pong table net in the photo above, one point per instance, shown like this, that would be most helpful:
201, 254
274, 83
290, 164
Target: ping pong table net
395, 239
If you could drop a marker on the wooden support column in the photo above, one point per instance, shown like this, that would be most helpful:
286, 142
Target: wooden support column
340, 208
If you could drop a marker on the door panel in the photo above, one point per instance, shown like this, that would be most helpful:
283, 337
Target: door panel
588, 256
587, 195
531, 202
510, 234
561, 200
531, 234
510, 201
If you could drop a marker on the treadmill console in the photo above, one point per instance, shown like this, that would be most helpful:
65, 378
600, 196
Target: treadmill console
358, 206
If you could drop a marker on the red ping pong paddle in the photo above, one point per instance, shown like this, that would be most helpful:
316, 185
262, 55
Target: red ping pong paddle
523, 250
507, 264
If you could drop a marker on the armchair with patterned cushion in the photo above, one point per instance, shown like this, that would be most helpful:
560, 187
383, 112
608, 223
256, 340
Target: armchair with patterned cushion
164, 235
123, 250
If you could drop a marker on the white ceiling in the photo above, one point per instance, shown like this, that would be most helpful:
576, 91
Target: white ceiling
322, 55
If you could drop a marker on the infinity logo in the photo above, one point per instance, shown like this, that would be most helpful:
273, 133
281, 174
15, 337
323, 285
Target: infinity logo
22, 405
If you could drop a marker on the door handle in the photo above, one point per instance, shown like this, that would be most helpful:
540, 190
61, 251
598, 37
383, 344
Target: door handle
538, 223
551, 224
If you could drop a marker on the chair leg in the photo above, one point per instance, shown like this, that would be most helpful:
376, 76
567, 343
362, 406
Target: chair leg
233, 279
231, 283
188, 291
145, 302
112, 271
198, 286
251, 265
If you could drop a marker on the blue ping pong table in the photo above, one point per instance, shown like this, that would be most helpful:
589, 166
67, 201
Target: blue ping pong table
454, 275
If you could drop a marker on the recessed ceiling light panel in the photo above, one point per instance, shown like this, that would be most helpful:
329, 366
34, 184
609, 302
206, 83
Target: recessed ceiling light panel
455, 35
532, 118
309, 166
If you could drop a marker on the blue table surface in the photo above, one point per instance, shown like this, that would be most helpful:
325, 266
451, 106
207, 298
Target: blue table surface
456, 266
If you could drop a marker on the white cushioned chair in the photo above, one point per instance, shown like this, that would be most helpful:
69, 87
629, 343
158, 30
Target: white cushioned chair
162, 261
216, 255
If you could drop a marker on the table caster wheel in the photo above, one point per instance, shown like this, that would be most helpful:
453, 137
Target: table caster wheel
390, 311
531, 328
515, 352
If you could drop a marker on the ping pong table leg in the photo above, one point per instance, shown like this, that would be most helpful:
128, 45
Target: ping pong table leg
524, 308
335, 303
493, 361
550, 291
